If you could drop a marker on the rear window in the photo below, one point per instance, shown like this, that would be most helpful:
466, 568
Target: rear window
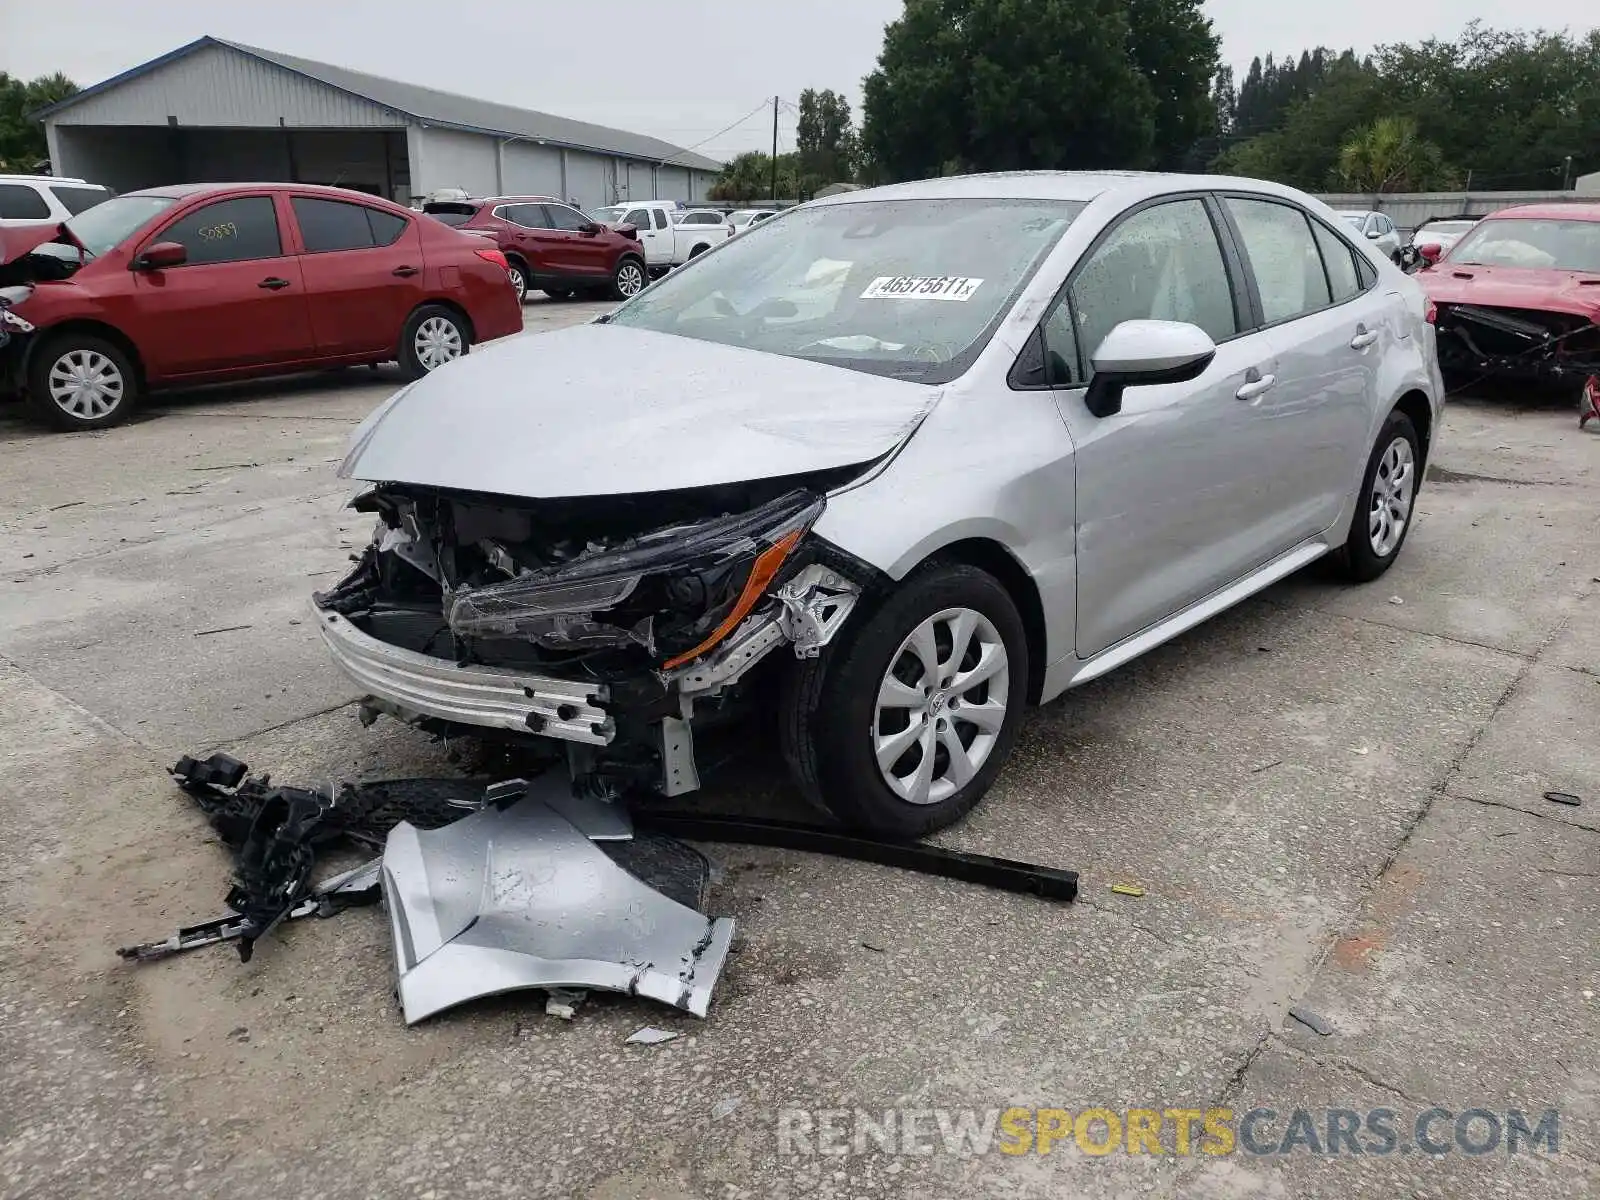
19, 202
450, 213
76, 199
338, 225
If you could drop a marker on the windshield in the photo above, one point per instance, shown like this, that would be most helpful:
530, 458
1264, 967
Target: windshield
608, 216
1537, 244
1355, 219
108, 223
908, 288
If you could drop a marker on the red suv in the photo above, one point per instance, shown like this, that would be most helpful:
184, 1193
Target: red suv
551, 245
205, 282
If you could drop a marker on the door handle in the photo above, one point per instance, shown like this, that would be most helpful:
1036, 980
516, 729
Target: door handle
1255, 385
1362, 339
405, 272
273, 283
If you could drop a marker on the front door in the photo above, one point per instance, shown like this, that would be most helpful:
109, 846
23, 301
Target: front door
1170, 500
586, 253
657, 245
528, 232
363, 274
239, 300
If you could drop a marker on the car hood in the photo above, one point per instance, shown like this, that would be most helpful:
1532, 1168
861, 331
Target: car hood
18, 241
597, 410
1513, 287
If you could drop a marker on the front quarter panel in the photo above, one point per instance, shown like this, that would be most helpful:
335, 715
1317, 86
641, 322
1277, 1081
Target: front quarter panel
990, 464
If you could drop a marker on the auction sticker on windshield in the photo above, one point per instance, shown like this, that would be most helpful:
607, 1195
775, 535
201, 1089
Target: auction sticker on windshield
921, 287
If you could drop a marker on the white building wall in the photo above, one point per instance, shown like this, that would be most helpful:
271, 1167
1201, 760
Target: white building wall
448, 158
672, 183
529, 169
587, 180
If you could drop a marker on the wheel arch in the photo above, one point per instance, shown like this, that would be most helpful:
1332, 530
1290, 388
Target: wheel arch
1415, 405
992, 557
444, 302
92, 328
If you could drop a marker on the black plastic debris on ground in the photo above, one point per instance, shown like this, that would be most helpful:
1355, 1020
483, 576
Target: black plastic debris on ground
277, 833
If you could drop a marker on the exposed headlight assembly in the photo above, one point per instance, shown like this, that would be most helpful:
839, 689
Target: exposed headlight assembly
682, 589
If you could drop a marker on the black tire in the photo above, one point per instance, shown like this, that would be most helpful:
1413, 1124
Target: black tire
103, 360
629, 279
1359, 559
828, 711
519, 279
698, 251
412, 363
558, 293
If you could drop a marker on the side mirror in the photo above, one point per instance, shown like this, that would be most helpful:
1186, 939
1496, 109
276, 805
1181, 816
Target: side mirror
590, 227
1430, 251
1142, 353
161, 255
1373, 235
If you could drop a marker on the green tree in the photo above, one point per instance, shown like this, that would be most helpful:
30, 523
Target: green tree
824, 140
1015, 84
749, 177
1391, 156
22, 141
1508, 107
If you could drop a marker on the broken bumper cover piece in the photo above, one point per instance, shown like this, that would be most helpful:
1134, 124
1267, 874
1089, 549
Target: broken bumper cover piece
518, 898
492, 697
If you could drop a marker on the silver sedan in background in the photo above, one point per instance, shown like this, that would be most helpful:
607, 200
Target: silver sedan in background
889, 468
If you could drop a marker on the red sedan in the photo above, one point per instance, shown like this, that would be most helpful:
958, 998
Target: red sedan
205, 282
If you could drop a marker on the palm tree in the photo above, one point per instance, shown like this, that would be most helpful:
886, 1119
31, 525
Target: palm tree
1390, 155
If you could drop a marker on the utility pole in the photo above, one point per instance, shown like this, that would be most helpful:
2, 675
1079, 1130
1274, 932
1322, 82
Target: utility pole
1566, 174
775, 150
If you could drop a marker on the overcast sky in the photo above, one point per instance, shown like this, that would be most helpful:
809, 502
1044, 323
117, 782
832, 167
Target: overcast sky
678, 69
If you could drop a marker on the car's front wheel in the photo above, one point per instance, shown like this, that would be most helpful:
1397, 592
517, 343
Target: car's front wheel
628, 280
903, 723
77, 381
1386, 503
434, 335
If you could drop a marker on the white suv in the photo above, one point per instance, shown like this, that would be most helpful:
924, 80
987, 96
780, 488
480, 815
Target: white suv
46, 199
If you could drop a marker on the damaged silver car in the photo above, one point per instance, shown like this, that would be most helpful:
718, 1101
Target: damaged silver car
898, 464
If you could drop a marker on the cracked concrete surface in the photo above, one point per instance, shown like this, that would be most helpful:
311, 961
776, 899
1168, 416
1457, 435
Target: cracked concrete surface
1332, 800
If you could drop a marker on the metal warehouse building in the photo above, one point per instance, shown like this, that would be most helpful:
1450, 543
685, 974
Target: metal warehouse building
217, 111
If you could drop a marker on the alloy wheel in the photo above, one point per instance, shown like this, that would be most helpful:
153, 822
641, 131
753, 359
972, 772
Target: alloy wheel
1393, 486
519, 283
941, 705
630, 279
438, 341
86, 384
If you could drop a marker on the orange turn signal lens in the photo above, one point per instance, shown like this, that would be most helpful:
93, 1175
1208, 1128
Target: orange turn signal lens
760, 578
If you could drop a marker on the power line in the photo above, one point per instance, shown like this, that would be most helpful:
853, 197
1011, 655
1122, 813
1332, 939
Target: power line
719, 133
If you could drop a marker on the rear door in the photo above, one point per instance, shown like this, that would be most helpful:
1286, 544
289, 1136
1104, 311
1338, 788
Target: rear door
239, 300
1329, 333
1170, 503
585, 253
363, 273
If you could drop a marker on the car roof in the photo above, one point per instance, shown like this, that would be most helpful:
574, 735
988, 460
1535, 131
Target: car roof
183, 191
1081, 186
51, 179
1354, 212
1549, 212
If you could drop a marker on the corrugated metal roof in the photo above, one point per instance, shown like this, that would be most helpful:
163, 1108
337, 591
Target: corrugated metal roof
435, 107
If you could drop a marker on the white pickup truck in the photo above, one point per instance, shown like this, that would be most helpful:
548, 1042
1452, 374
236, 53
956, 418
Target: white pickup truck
670, 235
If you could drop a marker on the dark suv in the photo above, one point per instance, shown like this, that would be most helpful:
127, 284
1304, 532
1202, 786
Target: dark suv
551, 245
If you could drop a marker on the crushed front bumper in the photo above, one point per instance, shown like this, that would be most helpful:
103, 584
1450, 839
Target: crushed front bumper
419, 685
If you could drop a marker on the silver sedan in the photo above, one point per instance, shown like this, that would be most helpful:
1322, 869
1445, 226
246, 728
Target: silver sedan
887, 470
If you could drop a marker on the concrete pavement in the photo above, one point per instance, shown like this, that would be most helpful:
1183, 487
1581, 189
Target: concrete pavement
1331, 796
